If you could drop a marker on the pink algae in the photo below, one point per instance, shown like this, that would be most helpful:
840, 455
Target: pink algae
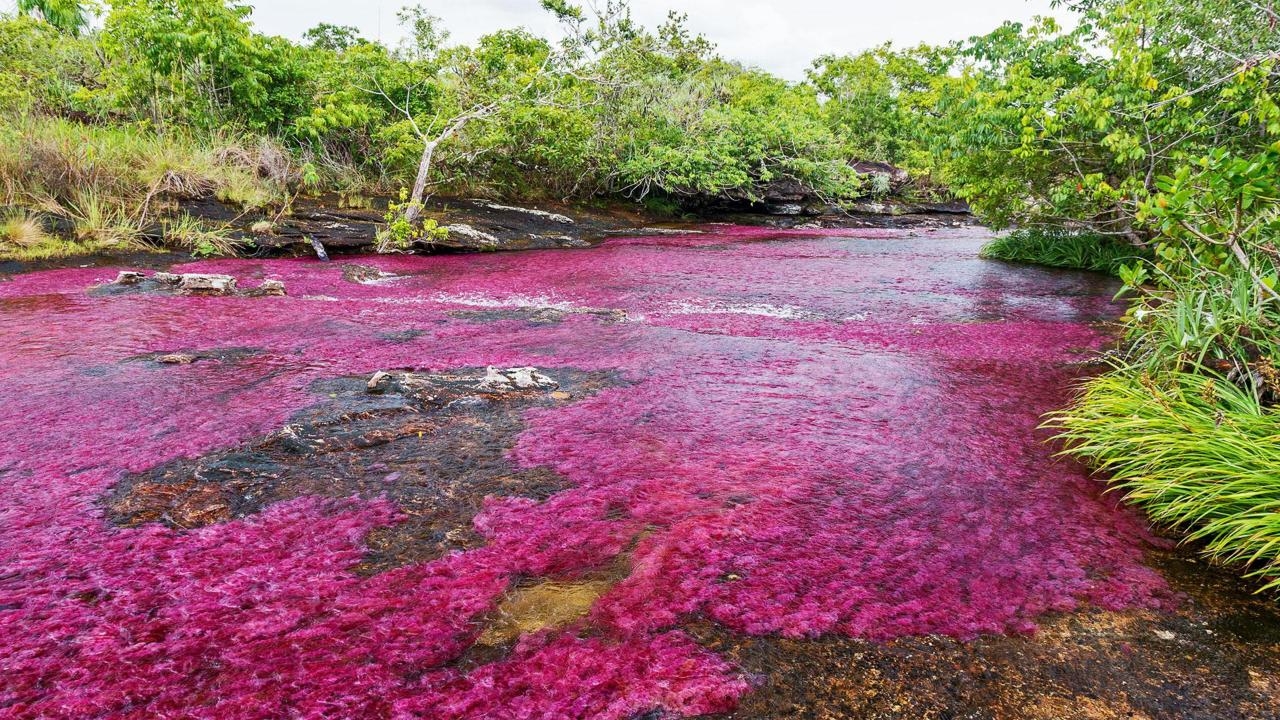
817, 434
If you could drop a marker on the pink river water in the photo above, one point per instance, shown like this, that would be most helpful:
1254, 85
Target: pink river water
843, 425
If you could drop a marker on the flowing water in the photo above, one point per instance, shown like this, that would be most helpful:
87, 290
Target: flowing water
779, 475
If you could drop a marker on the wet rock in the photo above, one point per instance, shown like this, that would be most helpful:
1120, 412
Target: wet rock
189, 356
202, 284
895, 178
525, 378
375, 384
318, 247
540, 315
553, 217
475, 225
432, 444
365, 274
464, 235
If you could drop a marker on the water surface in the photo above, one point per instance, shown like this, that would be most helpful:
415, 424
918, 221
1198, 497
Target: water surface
758, 435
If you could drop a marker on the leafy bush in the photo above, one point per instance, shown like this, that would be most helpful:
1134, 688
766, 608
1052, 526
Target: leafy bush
1216, 321
401, 232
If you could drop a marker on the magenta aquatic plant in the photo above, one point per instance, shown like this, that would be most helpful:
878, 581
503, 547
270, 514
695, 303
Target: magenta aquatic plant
814, 435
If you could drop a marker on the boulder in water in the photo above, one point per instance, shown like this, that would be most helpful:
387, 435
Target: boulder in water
268, 288
201, 284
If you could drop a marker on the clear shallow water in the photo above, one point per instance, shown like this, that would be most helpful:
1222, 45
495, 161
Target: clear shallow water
812, 435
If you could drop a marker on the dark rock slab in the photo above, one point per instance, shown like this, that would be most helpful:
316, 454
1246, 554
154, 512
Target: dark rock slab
434, 444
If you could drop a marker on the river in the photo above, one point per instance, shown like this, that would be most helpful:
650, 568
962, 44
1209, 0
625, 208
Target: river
753, 474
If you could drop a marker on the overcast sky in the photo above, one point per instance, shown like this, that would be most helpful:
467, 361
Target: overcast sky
778, 35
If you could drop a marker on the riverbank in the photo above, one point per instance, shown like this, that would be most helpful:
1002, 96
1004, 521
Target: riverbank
349, 224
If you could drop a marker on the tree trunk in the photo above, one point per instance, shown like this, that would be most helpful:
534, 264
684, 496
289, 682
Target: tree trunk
414, 209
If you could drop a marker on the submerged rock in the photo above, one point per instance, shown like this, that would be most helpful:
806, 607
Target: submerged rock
272, 288
365, 274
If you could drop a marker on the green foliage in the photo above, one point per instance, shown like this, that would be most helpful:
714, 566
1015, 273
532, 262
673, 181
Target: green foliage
1188, 323
1195, 451
23, 237
879, 102
68, 16
332, 38
1153, 121
1065, 249
198, 63
109, 183
199, 238
46, 71
614, 109
401, 233
1053, 127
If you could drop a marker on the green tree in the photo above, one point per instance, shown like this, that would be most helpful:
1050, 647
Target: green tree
879, 102
198, 61
335, 38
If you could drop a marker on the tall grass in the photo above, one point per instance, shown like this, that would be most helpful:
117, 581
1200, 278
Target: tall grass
1062, 249
1198, 453
110, 184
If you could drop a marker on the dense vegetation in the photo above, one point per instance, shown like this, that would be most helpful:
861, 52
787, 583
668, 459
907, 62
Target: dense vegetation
1143, 140
1152, 122
174, 99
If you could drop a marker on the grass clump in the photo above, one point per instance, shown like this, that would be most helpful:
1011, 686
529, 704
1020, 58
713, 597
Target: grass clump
24, 238
1063, 249
1215, 321
201, 239
1196, 451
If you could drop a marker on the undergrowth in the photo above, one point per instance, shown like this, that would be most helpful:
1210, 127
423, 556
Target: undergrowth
1196, 451
1062, 249
1186, 424
107, 188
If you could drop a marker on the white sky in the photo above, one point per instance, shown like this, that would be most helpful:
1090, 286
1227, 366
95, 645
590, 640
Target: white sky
782, 36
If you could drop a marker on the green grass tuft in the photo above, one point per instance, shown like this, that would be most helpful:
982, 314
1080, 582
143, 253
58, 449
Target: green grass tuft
1197, 453
111, 183
1076, 251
